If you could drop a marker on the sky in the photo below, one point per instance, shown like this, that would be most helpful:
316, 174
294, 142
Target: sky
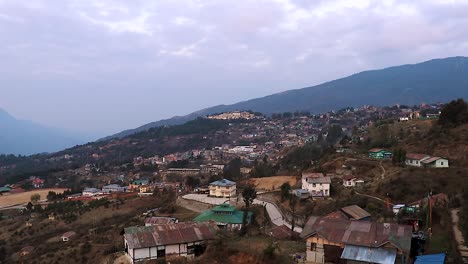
102, 66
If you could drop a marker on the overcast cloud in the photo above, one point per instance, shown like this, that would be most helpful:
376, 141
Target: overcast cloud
102, 66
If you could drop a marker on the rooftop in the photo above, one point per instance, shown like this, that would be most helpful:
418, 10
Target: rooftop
359, 233
416, 156
223, 182
223, 214
159, 235
355, 212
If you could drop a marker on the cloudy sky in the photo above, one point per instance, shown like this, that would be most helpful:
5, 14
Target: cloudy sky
101, 66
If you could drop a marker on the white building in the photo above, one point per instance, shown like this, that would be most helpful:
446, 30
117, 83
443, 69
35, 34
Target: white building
317, 184
160, 241
89, 192
352, 181
424, 160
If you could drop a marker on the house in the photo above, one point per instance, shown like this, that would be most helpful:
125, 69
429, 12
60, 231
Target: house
160, 220
163, 241
352, 212
281, 232
183, 171
112, 188
38, 182
223, 188
425, 160
331, 240
378, 153
317, 184
137, 184
225, 216
352, 181
26, 251
89, 192
67, 236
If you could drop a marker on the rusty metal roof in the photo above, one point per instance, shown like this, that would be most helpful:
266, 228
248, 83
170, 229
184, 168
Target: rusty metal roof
158, 235
159, 220
416, 156
355, 212
359, 233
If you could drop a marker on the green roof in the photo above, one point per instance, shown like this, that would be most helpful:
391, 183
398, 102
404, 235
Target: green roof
223, 214
5, 189
224, 208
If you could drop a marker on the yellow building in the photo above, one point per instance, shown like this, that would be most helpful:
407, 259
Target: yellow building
223, 188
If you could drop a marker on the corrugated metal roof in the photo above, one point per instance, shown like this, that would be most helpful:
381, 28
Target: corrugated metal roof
355, 212
360, 233
223, 182
160, 220
431, 259
227, 217
158, 235
416, 156
371, 255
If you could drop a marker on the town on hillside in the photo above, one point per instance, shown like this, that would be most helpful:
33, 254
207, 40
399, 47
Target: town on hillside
370, 184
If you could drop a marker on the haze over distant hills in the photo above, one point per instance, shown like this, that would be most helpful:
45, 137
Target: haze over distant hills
25, 137
438, 80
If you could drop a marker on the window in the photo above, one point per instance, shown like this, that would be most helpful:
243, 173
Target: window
161, 252
313, 246
441, 163
313, 185
190, 249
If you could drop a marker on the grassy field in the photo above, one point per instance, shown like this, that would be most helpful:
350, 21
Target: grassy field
25, 197
273, 183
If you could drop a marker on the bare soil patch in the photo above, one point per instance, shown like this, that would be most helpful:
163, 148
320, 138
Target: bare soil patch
25, 197
273, 183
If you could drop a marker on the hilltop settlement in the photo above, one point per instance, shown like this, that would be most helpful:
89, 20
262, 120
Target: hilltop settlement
357, 185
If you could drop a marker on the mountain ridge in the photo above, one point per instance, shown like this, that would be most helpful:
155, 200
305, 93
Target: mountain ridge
24, 137
404, 84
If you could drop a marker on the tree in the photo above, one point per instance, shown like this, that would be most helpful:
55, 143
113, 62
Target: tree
35, 198
248, 195
399, 156
285, 189
454, 114
232, 170
192, 182
292, 204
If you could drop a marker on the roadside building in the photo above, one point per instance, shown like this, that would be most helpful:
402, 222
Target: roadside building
187, 239
183, 171
378, 153
317, 184
223, 188
136, 185
225, 216
331, 240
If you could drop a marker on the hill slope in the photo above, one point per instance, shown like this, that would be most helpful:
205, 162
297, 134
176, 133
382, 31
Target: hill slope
431, 81
25, 137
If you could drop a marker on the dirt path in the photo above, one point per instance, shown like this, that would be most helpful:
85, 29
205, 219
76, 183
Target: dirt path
458, 235
382, 176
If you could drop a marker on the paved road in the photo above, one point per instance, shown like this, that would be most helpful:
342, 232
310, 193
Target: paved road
275, 216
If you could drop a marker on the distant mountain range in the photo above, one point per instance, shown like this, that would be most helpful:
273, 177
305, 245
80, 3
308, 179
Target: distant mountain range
438, 80
25, 137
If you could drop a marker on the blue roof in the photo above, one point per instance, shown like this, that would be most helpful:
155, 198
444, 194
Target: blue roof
223, 182
431, 259
366, 254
